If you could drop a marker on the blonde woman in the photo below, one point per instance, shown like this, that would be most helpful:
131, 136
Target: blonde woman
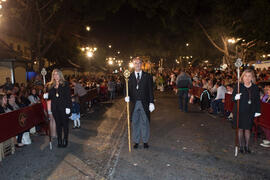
249, 107
59, 94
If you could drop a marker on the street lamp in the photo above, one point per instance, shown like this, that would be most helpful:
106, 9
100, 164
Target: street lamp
187, 44
89, 54
231, 40
110, 46
88, 28
110, 62
118, 52
131, 65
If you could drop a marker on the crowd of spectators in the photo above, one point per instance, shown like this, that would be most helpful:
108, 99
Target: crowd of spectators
215, 84
16, 96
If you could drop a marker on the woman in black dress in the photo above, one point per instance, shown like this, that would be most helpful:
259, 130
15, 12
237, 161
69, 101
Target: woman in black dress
249, 107
59, 94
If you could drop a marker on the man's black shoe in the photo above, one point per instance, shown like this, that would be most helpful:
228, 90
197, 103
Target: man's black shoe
136, 145
145, 145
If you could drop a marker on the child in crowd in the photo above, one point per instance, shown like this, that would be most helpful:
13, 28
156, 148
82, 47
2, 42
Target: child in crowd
75, 113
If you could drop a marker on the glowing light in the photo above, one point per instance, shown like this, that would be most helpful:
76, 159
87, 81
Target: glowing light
83, 49
232, 41
118, 52
131, 65
88, 28
95, 49
187, 44
35, 62
264, 56
110, 62
110, 46
89, 54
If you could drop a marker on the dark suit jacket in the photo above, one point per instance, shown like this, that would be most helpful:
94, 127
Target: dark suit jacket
146, 87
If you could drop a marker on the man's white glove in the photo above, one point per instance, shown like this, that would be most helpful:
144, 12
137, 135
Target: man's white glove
127, 99
67, 111
257, 114
237, 96
45, 95
151, 107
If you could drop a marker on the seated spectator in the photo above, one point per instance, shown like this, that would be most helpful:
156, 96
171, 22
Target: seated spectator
8, 86
217, 104
4, 106
205, 100
266, 99
23, 98
33, 97
12, 103
229, 89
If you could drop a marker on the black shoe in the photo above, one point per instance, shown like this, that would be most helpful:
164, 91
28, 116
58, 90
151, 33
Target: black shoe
247, 150
145, 145
60, 144
241, 150
65, 142
135, 146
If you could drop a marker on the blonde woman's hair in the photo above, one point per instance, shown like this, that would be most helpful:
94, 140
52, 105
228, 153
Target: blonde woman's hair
61, 80
253, 79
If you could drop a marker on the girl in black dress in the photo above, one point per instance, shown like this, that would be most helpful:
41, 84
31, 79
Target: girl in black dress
249, 107
59, 94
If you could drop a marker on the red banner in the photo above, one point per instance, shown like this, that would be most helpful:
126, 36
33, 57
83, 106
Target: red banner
18, 121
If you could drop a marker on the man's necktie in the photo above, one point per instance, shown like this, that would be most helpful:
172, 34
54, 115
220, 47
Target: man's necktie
138, 78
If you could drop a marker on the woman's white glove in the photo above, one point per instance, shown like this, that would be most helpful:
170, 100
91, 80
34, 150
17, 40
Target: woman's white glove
237, 96
127, 99
67, 111
151, 107
45, 95
257, 114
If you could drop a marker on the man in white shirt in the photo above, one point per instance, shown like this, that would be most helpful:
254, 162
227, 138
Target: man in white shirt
217, 104
141, 96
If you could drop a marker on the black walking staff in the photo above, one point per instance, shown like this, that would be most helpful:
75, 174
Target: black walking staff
238, 64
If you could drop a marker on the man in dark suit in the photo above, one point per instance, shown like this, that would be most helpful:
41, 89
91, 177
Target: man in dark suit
141, 96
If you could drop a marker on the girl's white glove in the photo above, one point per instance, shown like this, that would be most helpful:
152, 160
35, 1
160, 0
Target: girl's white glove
67, 111
237, 96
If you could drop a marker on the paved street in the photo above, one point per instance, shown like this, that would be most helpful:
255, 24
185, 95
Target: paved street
191, 145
